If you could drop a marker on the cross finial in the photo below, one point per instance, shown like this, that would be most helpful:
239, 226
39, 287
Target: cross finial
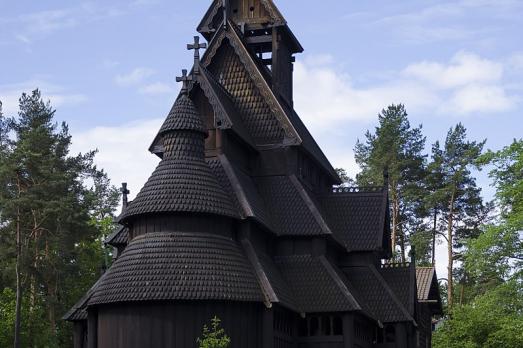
196, 47
185, 79
124, 192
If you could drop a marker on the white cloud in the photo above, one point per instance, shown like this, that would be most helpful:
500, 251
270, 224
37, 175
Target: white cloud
9, 95
123, 151
135, 77
481, 98
464, 68
157, 88
449, 20
467, 84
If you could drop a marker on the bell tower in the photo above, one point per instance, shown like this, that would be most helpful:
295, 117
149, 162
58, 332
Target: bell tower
266, 34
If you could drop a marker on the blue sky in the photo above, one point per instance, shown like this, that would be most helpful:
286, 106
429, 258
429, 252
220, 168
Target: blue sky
109, 68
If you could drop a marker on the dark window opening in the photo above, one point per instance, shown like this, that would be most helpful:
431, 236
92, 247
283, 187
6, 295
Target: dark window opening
337, 326
324, 325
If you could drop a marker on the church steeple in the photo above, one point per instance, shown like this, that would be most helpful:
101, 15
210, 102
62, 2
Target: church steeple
265, 32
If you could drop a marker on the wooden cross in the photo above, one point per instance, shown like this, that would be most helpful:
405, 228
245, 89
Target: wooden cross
124, 192
185, 79
196, 47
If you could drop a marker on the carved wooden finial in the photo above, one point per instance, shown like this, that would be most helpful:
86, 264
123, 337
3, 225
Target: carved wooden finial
225, 12
186, 81
196, 46
125, 192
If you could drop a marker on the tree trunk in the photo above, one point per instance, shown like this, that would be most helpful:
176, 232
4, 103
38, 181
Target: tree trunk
450, 251
434, 238
402, 247
395, 217
18, 305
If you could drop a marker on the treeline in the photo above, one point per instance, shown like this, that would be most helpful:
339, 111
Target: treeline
434, 198
55, 208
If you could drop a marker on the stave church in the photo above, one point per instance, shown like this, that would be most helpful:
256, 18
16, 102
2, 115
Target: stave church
245, 219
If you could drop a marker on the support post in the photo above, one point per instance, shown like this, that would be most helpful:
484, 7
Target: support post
78, 335
92, 329
268, 328
348, 331
401, 336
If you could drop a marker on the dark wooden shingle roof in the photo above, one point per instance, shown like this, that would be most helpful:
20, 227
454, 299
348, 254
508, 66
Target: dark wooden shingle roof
183, 181
358, 218
120, 236
381, 299
424, 277
316, 285
292, 213
179, 266
183, 116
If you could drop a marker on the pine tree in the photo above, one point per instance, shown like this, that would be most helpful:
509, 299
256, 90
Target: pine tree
397, 147
457, 195
47, 209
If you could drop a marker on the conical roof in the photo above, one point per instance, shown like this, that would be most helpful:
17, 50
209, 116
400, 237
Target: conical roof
183, 181
183, 116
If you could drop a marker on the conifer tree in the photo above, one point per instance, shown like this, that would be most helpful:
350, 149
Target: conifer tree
48, 210
457, 195
397, 147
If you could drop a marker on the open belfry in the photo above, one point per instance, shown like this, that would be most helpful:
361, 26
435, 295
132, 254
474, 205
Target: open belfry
243, 219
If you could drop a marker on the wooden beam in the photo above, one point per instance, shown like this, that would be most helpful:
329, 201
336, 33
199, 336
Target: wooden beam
262, 39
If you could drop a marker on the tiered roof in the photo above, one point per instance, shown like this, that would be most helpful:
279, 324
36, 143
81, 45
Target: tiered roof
179, 266
183, 181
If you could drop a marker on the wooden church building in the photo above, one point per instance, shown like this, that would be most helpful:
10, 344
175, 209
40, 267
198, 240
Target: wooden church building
243, 219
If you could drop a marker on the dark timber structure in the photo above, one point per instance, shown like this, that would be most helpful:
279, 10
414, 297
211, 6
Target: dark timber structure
240, 219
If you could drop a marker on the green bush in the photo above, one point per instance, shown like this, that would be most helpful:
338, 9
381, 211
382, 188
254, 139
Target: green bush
214, 337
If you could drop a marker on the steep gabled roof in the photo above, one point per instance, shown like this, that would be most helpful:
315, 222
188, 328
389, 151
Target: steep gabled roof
274, 286
226, 114
402, 280
428, 288
357, 216
374, 290
295, 131
251, 92
214, 15
316, 284
179, 266
290, 207
119, 237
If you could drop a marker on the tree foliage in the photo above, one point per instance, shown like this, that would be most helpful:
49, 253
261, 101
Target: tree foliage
214, 337
492, 320
50, 220
397, 147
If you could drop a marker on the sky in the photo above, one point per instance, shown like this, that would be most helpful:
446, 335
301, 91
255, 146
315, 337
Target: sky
109, 68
